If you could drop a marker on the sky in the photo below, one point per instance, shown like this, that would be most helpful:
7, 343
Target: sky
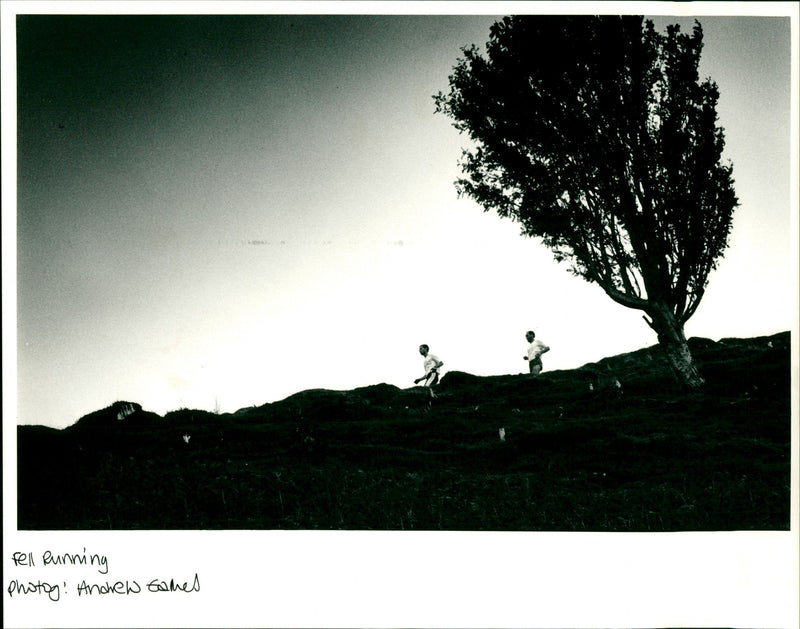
218, 211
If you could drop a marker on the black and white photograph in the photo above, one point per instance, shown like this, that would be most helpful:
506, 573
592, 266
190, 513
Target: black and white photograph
400, 314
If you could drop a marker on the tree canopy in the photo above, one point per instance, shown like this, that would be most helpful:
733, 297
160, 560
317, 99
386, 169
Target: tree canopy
596, 135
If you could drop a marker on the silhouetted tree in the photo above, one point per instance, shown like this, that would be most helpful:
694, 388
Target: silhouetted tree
595, 134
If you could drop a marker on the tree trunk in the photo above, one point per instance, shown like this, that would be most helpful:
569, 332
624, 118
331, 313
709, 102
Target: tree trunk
672, 339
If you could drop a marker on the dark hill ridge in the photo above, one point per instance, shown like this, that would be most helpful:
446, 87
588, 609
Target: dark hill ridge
611, 446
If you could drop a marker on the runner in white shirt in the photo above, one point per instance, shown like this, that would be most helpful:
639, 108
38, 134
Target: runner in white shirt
535, 351
431, 365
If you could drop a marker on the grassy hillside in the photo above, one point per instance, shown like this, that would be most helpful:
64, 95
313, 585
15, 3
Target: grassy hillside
642, 456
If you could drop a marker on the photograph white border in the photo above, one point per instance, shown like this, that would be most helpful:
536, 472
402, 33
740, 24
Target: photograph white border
410, 579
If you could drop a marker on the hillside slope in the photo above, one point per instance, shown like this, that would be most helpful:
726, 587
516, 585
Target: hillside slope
613, 446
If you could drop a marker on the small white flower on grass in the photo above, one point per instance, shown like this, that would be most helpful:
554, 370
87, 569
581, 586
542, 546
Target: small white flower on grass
186, 438
502, 433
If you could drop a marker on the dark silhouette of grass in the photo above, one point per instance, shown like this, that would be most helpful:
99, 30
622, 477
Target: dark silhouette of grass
643, 456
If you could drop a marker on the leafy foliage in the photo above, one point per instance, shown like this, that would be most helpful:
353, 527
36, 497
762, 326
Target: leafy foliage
595, 134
